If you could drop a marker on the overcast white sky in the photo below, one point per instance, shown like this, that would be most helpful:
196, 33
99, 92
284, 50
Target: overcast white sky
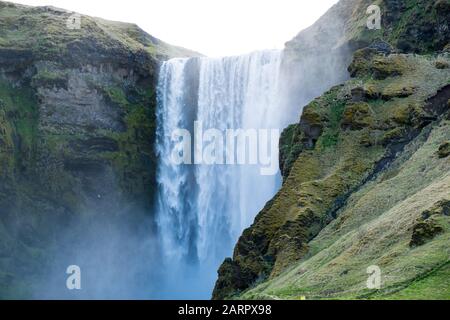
212, 27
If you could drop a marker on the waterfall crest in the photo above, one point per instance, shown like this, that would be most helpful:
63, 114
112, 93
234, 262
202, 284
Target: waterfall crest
202, 209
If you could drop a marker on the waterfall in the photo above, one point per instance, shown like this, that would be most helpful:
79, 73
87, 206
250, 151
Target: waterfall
203, 209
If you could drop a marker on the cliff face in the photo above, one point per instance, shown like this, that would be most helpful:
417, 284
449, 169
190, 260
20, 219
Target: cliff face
366, 170
77, 126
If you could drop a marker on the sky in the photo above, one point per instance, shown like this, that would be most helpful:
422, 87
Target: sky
211, 27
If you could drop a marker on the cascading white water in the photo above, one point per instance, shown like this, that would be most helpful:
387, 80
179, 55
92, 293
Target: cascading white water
202, 209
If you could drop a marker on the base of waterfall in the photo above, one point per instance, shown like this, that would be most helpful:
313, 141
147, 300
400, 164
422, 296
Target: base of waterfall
227, 147
219, 122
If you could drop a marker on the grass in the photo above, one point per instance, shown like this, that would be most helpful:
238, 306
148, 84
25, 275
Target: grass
374, 226
45, 32
331, 135
116, 95
21, 109
373, 230
435, 286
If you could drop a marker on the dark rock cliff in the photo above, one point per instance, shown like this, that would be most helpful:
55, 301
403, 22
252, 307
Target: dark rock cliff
77, 127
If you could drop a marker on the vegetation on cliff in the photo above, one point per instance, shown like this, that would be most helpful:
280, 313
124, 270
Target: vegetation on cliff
366, 171
77, 127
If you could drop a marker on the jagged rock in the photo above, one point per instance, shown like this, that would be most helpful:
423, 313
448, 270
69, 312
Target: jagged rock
311, 124
393, 135
391, 66
290, 147
77, 130
357, 116
230, 282
371, 92
382, 47
362, 61
441, 208
423, 232
392, 92
370, 62
429, 226
358, 94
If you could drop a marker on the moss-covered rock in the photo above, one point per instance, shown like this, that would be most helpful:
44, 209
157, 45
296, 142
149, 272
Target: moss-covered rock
444, 149
430, 224
446, 48
383, 67
311, 125
357, 116
362, 62
367, 209
423, 232
442, 64
393, 91
361, 167
369, 62
77, 131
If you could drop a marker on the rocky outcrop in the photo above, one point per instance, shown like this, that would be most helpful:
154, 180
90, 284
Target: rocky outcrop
444, 149
430, 224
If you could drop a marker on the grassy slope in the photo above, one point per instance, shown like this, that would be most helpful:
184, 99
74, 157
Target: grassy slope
43, 30
318, 181
375, 225
432, 286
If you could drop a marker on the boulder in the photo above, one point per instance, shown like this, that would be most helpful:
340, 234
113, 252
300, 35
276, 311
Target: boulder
440, 64
382, 47
391, 66
361, 63
424, 231
444, 150
358, 94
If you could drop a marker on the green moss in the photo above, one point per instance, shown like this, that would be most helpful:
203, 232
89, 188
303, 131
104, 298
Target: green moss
48, 78
364, 197
21, 110
52, 171
432, 286
331, 134
290, 148
444, 149
116, 95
